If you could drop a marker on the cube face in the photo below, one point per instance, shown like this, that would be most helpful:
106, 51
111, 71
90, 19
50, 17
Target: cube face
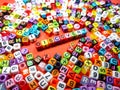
57, 40
52, 61
64, 69
48, 67
14, 69
109, 87
98, 63
102, 70
29, 63
29, 56
73, 59
38, 46
115, 50
64, 61
115, 74
85, 49
78, 49
51, 88
94, 74
61, 85
88, 55
74, 53
69, 26
4, 63
66, 55
108, 55
33, 85
49, 31
64, 28
2, 50
76, 69
105, 64
20, 59
116, 82
3, 78
70, 74
32, 69
102, 51
38, 75
12, 36
51, 41
71, 83
113, 61
17, 46
44, 43
74, 34
57, 56
88, 63
100, 84
92, 82
58, 65
61, 77
18, 40
42, 65
70, 49
37, 59
83, 87
56, 30
4, 43
55, 72
43, 83
18, 78
48, 76
84, 80
95, 68
29, 78
6, 70
22, 66
63, 38
13, 62
91, 88
24, 51
9, 83
109, 72
84, 69
109, 80
79, 63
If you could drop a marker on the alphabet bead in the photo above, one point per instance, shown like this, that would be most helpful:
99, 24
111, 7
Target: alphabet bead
61, 85
14, 69
33, 85
9, 83
43, 83
48, 76
48, 67
84, 80
3, 78
29, 78
38, 75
